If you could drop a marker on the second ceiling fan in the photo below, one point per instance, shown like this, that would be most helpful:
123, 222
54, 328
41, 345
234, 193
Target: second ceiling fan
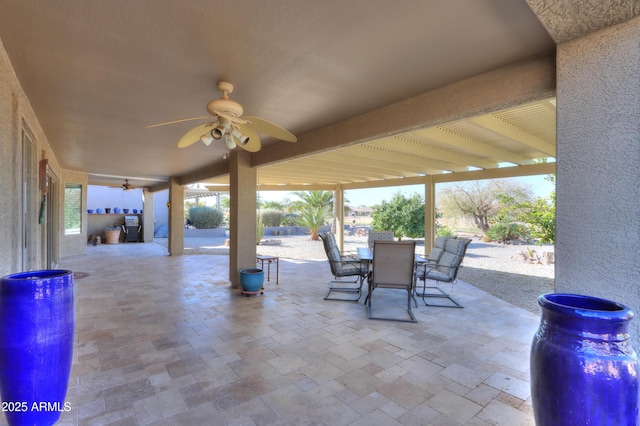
230, 126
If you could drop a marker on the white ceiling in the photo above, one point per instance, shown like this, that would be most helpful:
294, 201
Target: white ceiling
98, 72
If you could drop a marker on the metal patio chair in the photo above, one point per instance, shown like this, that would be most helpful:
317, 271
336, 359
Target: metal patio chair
393, 268
343, 266
445, 270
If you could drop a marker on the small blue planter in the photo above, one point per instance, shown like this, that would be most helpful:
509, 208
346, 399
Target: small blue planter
37, 321
251, 279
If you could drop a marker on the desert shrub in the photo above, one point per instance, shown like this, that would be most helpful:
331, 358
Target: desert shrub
444, 231
506, 231
259, 230
291, 219
203, 217
271, 217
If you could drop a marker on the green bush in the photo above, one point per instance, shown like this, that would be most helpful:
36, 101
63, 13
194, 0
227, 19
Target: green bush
291, 219
271, 217
503, 231
444, 231
203, 217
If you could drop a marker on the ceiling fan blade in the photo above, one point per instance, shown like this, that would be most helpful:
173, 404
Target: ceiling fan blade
268, 128
193, 135
177, 121
231, 118
253, 144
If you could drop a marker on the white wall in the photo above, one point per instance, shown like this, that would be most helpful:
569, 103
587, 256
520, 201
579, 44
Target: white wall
103, 197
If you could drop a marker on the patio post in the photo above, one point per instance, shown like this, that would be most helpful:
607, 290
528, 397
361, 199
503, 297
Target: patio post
429, 213
242, 215
338, 207
176, 217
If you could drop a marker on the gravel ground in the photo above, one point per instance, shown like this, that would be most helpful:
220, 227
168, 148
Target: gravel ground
488, 266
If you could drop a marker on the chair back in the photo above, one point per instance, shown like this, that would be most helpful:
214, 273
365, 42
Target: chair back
438, 248
454, 251
332, 251
379, 236
393, 263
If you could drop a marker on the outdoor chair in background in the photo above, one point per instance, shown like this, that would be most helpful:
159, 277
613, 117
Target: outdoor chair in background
343, 267
379, 236
444, 271
393, 268
436, 252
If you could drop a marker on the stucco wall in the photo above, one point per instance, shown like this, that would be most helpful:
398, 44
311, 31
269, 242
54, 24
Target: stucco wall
598, 183
16, 118
10, 244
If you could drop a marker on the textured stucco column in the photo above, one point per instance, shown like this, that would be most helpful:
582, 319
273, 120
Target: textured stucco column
338, 209
598, 178
176, 218
429, 214
242, 221
147, 216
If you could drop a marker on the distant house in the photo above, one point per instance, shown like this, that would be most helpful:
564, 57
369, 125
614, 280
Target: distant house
360, 211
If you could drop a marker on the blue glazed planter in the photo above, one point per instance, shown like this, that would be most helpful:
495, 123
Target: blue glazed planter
251, 279
583, 369
37, 321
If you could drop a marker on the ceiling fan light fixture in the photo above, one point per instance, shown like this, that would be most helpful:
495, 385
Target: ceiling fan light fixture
206, 139
228, 141
217, 132
240, 137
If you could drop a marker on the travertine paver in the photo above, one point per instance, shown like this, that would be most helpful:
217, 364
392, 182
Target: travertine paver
165, 341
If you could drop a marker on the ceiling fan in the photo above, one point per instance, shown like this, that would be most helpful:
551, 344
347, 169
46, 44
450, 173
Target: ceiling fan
230, 126
126, 186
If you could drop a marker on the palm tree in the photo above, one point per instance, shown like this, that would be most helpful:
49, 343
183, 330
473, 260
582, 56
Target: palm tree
315, 208
313, 218
313, 198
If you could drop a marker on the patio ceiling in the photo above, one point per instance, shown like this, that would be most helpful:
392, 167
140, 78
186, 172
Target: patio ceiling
98, 73
513, 137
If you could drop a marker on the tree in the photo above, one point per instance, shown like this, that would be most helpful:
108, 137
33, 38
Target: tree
314, 209
483, 199
540, 215
313, 218
404, 216
312, 198
276, 205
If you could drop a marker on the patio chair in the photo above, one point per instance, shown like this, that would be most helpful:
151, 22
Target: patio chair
343, 266
393, 268
436, 252
379, 236
444, 271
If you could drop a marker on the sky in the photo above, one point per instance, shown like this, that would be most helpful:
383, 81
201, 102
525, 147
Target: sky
539, 186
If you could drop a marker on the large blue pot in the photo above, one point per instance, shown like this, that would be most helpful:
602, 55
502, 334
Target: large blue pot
583, 369
251, 279
37, 321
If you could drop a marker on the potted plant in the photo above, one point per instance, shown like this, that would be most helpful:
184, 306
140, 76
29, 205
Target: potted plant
111, 235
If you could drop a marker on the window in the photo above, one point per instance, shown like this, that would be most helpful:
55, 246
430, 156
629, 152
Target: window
72, 208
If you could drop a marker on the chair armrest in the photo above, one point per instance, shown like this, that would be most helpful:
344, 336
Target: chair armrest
349, 254
427, 268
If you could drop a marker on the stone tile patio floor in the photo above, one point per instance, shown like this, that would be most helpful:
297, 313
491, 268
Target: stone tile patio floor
165, 341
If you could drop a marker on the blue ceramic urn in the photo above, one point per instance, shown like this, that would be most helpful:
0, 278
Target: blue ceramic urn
583, 368
37, 321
